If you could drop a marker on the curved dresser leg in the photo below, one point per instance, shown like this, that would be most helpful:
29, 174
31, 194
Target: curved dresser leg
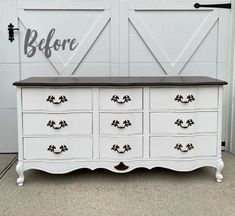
20, 171
219, 176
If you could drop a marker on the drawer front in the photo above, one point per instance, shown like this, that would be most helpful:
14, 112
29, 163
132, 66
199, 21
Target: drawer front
121, 99
57, 99
57, 148
120, 124
121, 148
183, 98
198, 122
183, 147
57, 124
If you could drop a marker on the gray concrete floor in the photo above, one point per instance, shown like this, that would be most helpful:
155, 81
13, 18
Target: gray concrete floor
140, 192
5, 159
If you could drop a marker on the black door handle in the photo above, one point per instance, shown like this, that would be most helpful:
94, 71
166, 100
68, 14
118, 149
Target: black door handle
11, 30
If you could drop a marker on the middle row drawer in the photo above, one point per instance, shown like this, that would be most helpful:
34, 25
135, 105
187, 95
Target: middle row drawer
118, 123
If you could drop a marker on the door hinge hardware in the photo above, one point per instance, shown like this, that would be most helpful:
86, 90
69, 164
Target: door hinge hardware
11, 30
226, 6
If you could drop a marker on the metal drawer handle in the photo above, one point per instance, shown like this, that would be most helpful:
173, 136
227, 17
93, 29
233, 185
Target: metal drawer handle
116, 123
125, 148
125, 98
189, 122
62, 124
180, 98
62, 148
62, 99
189, 147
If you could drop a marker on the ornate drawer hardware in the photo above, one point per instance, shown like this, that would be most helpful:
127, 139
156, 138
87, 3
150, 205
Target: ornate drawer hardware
180, 98
116, 148
62, 148
62, 124
121, 166
189, 122
125, 98
125, 123
189, 147
62, 99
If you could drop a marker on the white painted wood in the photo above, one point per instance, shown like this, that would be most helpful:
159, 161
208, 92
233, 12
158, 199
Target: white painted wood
146, 103
135, 95
77, 99
37, 148
8, 14
165, 146
95, 123
8, 74
135, 119
204, 122
71, 165
135, 143
20, 165
35, 124
164, 98
115, 34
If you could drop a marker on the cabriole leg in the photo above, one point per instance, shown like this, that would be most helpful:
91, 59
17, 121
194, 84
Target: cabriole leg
20, 171
219, 176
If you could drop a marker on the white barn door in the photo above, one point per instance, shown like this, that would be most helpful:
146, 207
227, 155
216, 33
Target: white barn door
173, 38
92, 23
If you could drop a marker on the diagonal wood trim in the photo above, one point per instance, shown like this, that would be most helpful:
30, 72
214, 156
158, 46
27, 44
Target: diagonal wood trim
196, 40
87, 42
185, 55
55, 60
82, 49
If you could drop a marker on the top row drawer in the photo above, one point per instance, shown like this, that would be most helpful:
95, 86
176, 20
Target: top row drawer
57, 99
117, 99
183, 98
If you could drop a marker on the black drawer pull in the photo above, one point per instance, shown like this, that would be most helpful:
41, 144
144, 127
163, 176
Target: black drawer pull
116, 148
125, 98
189, 122
62, 148
180, 98
116, 123
52, 124
189, 147
62, 99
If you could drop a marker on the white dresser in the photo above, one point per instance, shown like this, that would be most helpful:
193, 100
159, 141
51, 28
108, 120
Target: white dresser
119, 123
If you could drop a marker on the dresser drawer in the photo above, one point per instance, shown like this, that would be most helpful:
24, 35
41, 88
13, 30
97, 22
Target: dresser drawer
120, 99
182, 147
57, 124
60, 99
120, 123
183, 98
121, 148
194, 122
57, 148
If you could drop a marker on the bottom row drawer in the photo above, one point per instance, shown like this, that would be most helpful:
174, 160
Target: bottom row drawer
182, 147
120, 148
57, 148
